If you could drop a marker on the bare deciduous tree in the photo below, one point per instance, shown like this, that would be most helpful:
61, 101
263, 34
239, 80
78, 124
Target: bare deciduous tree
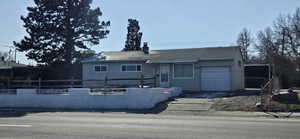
265, 44
244, 41
280, 45
281, 31
287, 34
293, 36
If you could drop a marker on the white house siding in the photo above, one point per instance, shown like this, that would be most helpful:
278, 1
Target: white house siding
114, 71
239, 73
194, 83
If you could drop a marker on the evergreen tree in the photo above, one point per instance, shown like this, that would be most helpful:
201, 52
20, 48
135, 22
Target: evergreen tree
134, 37
59, 29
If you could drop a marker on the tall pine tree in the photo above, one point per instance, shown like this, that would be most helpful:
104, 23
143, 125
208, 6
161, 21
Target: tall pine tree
134, 37
59, 29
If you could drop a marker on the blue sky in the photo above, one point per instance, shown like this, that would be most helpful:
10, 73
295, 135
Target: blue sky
165, 24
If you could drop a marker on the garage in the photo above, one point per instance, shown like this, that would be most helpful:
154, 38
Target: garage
215, 79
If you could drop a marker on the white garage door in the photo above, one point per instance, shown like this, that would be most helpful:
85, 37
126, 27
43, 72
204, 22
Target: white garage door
215, 79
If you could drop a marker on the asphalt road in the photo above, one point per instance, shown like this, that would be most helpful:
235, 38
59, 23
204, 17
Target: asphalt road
137, 126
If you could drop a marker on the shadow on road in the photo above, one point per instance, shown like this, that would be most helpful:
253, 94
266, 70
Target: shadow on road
11, 113
20, 112
23, 112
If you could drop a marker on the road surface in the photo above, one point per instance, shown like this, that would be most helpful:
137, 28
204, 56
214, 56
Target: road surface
83, 125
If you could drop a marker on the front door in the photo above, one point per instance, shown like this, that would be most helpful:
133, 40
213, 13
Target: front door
164, 75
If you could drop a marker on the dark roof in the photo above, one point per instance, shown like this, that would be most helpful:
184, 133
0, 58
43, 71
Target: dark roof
168, 55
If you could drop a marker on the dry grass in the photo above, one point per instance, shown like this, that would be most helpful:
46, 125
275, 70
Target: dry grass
283, 106
248, 103
237, 103
277, 106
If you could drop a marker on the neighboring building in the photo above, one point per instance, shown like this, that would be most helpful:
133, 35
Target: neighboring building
257, 75
10, 70
194, 69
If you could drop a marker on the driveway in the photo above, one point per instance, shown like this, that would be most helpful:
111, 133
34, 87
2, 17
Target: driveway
189, 104
205, 103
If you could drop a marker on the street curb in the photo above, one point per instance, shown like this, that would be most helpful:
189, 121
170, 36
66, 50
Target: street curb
256, 114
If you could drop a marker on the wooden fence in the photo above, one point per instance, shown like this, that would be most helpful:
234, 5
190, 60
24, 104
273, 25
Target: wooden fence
74, 83
266, 94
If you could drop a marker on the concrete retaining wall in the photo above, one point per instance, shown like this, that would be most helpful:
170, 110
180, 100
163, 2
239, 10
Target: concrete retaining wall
132, 98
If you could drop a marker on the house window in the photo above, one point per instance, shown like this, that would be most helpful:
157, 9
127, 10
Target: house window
101, 68
131, 68
183, 71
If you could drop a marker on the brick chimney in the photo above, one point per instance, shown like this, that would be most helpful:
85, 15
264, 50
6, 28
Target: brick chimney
145, 48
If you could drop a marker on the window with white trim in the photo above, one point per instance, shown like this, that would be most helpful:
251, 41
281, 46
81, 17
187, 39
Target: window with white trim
101, 68
183, 70
131, 68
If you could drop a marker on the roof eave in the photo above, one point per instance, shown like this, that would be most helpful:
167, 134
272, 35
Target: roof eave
216, 59
113, 61
189, 61
167, 62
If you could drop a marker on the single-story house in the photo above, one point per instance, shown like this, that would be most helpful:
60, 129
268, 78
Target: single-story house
193, 69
